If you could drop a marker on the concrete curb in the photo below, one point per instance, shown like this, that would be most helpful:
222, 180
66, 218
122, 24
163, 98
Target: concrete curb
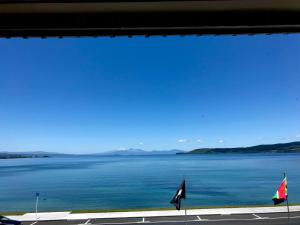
85, 216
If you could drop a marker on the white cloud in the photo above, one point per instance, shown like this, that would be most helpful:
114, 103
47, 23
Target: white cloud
298, 136
221, 141
122, 149
141, 143
199, 140
182, 140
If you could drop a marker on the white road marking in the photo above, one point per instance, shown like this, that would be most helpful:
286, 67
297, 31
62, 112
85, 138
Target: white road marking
208, 220
199, 218
257, 217
34, 223
144, 221
87, 222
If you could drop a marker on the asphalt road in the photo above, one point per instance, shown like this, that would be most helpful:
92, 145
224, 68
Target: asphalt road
241, 219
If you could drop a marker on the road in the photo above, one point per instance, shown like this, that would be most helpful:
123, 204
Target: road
236, 219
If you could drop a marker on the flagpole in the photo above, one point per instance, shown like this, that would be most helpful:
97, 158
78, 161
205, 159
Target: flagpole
185, 205
185, 216
287, 200
36, 205
288, 208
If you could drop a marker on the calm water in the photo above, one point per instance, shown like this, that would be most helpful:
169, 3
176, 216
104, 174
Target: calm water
144, 181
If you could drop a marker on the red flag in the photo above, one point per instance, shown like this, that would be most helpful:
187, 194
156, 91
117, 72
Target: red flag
281, 193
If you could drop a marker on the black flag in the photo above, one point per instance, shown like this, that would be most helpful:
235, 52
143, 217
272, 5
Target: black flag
180, 193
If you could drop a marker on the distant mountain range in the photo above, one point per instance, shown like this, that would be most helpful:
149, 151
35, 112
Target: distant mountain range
133, 151
292, 147
128, 152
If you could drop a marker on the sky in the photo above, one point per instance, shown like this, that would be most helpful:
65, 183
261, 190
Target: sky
88, 95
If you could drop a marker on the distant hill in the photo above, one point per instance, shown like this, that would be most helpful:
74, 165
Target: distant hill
133, 151
5, 155
33, 154
292, 147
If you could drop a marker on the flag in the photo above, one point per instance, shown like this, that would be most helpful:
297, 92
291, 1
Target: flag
180, 193
281, 193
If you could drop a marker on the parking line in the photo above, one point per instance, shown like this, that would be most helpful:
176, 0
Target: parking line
199, 218
257, 217
87, 222
34, 223
145, 221
211, 220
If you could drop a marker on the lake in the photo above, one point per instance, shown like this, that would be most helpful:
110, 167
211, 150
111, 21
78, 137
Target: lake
130, 182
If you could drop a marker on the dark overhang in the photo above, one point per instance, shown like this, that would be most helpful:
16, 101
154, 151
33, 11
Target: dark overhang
60, 18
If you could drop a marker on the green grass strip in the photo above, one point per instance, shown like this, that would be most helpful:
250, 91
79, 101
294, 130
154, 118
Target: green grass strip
163, 209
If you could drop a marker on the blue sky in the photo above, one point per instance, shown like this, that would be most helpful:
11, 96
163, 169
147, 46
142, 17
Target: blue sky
98, 94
